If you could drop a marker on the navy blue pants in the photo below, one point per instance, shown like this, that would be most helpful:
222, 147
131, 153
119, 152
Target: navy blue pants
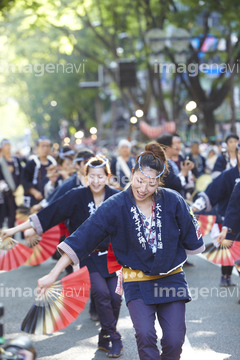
171, 317
107, 302
10, 208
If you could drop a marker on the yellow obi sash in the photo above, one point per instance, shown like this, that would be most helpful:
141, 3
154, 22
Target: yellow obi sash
138, 275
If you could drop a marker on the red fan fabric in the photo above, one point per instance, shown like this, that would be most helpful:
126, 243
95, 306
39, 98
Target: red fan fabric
75, 290
223, 256
60, 306
63, 230
46, 247
206, 223
112, 263
14, 257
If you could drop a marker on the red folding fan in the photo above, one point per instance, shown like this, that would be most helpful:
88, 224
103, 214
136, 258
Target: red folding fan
43, 247
63, 230
112, 263
206, 223
60, 305
226, 254
13, 254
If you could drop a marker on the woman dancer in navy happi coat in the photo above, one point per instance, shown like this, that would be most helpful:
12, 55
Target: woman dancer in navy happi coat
218, 193
151, 229
76, 206
231, 223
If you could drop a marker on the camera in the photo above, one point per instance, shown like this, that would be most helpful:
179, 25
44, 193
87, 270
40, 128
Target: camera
186, 161
11, 350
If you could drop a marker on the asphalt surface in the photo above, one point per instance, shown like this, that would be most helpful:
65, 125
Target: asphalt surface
213, 321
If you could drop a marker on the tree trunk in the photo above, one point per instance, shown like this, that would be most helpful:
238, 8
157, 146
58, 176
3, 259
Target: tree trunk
209, 123
99, 112
232, 100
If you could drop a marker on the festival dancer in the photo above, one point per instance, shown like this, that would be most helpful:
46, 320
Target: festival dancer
151, 230
62, 172
218, 193
75, 207
56, 176
34, 173
231, 223
78, 179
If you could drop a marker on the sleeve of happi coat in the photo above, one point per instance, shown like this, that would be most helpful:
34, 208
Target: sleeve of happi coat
232, 215
92, 232
190, 234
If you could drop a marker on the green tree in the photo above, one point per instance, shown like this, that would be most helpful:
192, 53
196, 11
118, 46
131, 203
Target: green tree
40, 68
99, 31
6, 4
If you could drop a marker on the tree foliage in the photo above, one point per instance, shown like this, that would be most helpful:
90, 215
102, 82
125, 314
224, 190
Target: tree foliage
101, 32
38, 66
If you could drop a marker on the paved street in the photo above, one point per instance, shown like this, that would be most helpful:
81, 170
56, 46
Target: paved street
213, 325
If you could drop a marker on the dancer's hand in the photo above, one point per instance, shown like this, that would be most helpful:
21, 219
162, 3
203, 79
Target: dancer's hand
194, 209
222, 235
45, 282
35, 208
12, 231
28, 234
8, 233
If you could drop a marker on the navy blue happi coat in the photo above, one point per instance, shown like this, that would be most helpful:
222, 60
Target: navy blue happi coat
75, 207
232, 215
219, 190
177, 231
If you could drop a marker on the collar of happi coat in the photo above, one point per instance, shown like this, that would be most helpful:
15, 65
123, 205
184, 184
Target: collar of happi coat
90, 200
139, 241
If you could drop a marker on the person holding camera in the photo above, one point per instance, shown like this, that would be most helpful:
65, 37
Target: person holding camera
27, 355
20, 348
177, 177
